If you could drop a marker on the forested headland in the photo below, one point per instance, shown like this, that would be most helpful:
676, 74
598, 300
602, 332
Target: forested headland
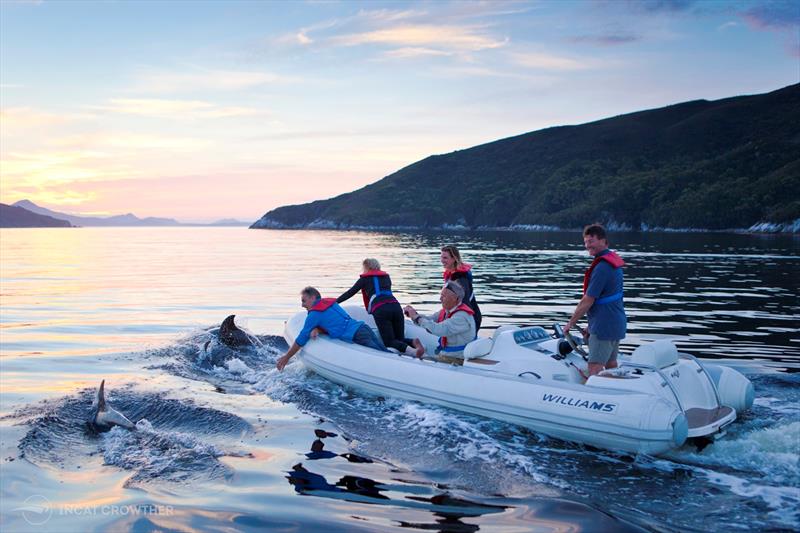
724, 164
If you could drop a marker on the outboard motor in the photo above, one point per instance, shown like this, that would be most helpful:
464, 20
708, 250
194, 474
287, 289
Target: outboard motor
734, 389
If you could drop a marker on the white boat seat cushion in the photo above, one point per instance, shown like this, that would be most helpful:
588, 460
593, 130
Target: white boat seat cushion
478, 348
660, 354
501, 329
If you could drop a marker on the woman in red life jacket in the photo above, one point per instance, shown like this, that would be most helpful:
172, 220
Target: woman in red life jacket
376, 290
457, 270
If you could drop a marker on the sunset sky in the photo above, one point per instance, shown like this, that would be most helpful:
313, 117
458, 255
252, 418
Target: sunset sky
205, 110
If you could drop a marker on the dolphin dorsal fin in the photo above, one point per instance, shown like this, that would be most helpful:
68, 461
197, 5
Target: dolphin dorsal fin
101, 397
227, 325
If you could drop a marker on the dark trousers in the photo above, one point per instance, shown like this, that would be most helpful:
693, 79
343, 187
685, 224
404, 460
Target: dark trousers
366, 337
391, 325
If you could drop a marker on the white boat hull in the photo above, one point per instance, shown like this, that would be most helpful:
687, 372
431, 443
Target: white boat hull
605, 417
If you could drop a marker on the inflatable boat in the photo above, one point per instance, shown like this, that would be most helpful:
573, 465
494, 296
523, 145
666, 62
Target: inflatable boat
655, 401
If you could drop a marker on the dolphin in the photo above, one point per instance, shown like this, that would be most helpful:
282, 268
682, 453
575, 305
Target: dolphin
104, 416
232, 336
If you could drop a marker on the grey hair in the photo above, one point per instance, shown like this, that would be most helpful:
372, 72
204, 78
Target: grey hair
371, 264
456, 289
311, 291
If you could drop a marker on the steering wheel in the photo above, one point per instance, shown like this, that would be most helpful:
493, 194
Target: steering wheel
573, 343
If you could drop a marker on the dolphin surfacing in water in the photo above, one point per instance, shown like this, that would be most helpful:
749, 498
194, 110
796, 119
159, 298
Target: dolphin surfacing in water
104, 416
231, 335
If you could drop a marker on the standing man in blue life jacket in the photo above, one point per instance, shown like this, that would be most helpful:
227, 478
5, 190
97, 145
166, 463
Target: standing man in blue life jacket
602, 301
325, 315
454, 323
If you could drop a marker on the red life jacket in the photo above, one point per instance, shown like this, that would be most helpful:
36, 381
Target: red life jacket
611, 257
447, 274
444, 314
373, 273
323, 304
378, 292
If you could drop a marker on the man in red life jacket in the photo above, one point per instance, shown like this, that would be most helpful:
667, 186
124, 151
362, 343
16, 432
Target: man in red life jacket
325, 315
454, 323
602, 301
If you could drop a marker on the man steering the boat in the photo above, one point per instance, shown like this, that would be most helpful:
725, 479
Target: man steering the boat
454, 323
601, 302
326, 316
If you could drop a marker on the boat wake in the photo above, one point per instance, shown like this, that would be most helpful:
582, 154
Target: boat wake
200, 356
174, 441
758, 459
753, 469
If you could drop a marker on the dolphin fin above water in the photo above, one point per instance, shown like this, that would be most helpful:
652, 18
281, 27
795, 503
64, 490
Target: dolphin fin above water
231, 335
105, 416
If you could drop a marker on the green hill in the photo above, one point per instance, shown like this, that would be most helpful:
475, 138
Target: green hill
728, 163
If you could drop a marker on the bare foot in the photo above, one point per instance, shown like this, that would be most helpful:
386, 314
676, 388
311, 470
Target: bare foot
416, 343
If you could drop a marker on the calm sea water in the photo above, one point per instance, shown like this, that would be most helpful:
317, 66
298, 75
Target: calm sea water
227, 443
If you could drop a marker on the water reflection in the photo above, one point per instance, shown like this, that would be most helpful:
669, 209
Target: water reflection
111, 289
448, 509
450, 514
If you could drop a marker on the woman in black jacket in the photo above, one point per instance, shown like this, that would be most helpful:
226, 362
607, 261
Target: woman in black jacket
376, 290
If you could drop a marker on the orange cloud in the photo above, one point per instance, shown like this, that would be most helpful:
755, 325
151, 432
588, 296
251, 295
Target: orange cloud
458, 38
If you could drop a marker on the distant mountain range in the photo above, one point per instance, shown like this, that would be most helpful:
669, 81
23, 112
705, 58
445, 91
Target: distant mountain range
118, 220
223, 222
724, 164
14, 217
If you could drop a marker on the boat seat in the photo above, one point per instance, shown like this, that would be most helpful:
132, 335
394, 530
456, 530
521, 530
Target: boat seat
660, 354
501, 329
478, 348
